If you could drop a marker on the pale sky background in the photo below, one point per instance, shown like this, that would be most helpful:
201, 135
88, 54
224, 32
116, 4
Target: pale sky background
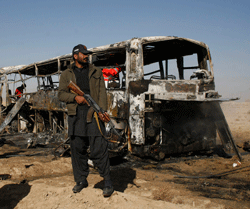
33, 31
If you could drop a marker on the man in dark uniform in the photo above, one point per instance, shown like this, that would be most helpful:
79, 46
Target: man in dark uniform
82, 134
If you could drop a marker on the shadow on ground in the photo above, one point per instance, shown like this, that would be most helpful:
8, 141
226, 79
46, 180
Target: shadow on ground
121, 178
12, 194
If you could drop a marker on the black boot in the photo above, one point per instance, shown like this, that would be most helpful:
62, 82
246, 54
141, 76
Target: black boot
79, 186
108, 191
108, 188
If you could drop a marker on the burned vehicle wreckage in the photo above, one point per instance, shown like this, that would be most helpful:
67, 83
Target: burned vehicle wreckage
163, 102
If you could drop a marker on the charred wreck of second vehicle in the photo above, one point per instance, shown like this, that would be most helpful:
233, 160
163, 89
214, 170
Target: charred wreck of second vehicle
42, 113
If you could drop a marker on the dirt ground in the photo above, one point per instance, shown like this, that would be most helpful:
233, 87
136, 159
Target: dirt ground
41, 181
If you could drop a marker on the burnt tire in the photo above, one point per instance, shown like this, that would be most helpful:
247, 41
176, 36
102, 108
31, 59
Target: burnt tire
14, 126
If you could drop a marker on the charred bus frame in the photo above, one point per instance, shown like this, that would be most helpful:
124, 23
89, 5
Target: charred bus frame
158, 113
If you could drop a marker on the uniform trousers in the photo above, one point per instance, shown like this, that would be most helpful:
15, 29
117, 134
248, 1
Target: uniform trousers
98, 154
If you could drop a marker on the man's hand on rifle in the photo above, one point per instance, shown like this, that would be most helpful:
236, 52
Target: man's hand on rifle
104, 117
81, 100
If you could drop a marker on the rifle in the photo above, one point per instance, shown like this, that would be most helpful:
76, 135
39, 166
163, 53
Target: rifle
90, 101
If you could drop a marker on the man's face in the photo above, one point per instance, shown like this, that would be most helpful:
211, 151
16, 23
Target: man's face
81, 58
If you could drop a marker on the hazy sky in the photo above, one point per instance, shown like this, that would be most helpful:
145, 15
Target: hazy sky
32, 30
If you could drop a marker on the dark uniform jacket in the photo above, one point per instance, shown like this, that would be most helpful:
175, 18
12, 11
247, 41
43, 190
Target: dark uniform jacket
96, 84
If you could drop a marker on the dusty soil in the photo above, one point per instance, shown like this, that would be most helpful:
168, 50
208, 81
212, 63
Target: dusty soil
38, 180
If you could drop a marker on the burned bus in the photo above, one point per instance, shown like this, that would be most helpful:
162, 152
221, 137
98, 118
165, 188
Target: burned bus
163, 102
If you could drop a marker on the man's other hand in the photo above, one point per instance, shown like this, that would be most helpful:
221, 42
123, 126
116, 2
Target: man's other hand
81, 100
104, 117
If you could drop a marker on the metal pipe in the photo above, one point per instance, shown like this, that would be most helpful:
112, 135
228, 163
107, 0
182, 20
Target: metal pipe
166, 69
38, 81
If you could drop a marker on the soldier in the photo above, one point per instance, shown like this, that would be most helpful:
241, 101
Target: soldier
82, 134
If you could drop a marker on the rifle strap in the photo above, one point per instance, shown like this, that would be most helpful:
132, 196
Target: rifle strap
98, 124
